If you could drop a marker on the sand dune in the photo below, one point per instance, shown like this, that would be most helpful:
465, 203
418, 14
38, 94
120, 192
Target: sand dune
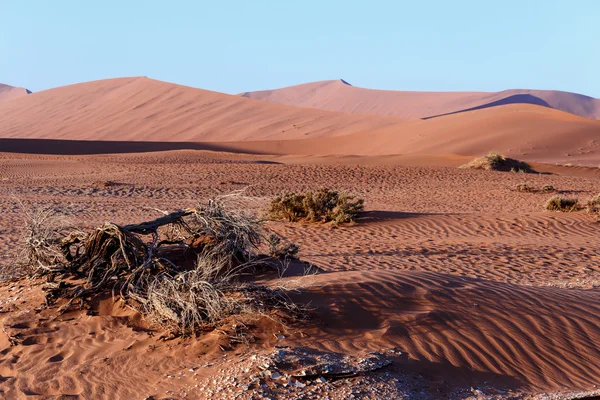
8, 92
142, 109
527, 132
338, 95
141, 114
454, 326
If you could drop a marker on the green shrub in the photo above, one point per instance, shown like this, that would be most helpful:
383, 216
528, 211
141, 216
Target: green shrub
323, 205
560, 203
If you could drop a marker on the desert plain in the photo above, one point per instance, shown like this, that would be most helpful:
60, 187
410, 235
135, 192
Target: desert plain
455, 282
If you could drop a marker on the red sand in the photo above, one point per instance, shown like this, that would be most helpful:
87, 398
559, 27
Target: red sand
143, 109
526, 132
337, 95
10, 92
469, 278
473, 281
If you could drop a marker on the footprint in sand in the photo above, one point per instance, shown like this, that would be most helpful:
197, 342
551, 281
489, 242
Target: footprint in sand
60, 356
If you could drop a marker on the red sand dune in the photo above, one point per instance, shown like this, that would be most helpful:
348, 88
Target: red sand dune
8, 92
136, 110
525, 131
338, 95
142, 109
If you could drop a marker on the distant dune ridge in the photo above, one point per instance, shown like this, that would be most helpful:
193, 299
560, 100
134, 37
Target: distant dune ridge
8, 92
143, 109
338, 95
138, 109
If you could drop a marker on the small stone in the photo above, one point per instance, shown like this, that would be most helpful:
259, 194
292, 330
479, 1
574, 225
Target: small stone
299, 384
276, 375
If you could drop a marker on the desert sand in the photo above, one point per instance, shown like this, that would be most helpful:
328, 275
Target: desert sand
8, 92
338, 95
143, 109
469, 287
149, 115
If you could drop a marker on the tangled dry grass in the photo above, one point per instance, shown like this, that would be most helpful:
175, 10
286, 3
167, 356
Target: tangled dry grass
497, 162
183, 271
323, 205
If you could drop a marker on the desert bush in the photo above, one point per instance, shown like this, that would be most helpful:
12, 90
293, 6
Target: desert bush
323, 205
524, 187
594, 201
185, 301
41, 233
593, 205
560, 203
548, 189
150, 265
497, 162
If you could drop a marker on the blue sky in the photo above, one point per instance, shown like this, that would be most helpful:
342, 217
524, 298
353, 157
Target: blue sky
235, 46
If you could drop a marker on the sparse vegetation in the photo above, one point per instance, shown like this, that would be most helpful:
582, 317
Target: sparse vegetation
524, 187
593, 205
548, 189
323, 205
560, 203
497, 162
43, 229
182, 271
281, 249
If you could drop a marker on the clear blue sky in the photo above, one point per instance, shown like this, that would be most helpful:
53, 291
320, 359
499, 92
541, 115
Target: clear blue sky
235, 46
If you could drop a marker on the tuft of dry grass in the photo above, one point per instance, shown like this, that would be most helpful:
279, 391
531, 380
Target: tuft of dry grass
497, 162
594, 201
524, 187
42, 232
548, 189
593, 205
323, 205
560, 203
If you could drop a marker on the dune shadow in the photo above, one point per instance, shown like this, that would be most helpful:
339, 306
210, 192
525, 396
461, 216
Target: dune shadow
89, 147
514, 99
380, 216
445, 377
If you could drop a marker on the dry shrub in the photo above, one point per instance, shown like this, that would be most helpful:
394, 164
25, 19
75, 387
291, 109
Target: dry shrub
497, 162
43, 229
323, 205
190, 299
524, 187
548, 189
279, 248
183, 270
593, 205
560, 203
594, 201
